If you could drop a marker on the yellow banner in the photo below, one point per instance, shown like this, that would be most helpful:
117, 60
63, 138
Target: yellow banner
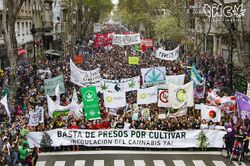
133, 60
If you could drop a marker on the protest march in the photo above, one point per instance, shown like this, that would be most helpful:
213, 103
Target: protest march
122, 90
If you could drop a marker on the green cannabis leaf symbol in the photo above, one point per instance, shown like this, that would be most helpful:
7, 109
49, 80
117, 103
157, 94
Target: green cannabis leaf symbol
104, 86
239, 11
154, 77
131, 84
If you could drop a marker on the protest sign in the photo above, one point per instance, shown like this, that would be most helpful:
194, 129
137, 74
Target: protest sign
153, 76
84, 78
181, 95
129, 39
125, 138
133, 60
50, 85
90, 103
36, 117
147, 95
167, 55
114, 100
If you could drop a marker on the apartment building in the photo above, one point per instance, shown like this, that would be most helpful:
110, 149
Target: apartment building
216, 42
39, 13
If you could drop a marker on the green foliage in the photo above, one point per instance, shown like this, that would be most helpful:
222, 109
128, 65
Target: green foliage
170, 28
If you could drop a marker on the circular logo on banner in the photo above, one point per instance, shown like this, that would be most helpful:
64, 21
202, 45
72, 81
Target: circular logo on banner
181, 95
126, 39
164, 96
212, 114
143, 95
109, 99
92, 113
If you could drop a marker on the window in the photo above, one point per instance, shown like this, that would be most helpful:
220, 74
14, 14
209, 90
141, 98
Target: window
23, 28
18, 29
27, 28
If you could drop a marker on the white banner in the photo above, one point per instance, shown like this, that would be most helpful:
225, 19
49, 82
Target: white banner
97, 27
126, 138
36, 117
128, 84
153, 76
84, 78
182, 111
177, 80
163, 98
210, 113
147, 95
167, 55
181, 95
128, 39
114, 100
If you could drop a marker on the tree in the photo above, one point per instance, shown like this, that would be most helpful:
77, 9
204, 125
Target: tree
11, 9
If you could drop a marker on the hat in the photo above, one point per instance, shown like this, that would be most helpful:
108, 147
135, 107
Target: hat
229, 130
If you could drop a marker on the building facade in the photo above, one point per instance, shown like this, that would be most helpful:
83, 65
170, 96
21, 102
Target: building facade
39, 13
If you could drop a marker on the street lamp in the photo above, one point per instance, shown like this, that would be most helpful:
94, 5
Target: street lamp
33, 32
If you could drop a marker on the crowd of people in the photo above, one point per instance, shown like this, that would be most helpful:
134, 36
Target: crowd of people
113, 64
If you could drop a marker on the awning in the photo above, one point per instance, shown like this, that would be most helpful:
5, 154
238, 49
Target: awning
21, 52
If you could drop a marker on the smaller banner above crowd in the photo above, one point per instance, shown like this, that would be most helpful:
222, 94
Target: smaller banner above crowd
182, 111
153, 76
102, 40
127, 84
84, 78
97, 27
50, 85
114, 100
76, 108
210, 113
147, 95
56, 111
90, 103
133, 60
36, 117
129, 39
180, 96
199, 83
147, 42
78, 59
167, 55
163, 98
243, 103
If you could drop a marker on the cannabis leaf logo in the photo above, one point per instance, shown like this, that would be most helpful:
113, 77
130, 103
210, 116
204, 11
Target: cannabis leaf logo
154, 77
104, 86
239, 11
131, 84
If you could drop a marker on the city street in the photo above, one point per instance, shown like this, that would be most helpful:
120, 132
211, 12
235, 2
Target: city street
134, 158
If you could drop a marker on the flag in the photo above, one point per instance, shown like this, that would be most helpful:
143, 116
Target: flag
75, 108
243, 105
147, 96
182, 111
6, 106
199, 89
90, 103
133, 60
114, 100
163, 98
195, 76
55, 111
213, 98
210, 113
136, 48
181, 95
57, 92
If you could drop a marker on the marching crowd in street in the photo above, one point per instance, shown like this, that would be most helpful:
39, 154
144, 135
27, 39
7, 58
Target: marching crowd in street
113, 64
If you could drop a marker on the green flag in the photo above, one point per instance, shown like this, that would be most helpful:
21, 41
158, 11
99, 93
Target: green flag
90, 102
133, 60
136, 48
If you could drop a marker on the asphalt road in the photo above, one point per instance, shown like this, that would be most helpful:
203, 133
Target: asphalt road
133, 158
